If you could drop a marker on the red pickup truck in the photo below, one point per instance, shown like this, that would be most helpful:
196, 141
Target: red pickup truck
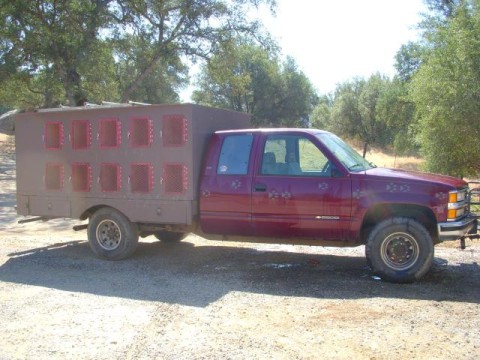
168, 170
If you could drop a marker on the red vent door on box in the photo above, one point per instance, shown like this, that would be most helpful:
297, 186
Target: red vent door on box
110, 177
174, 130
81, 134
141, 132
53, 135
81, 177
141, 178
175, 178
54, 176
110, 134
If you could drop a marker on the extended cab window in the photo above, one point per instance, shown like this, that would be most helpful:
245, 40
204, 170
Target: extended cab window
293, 155
235, 155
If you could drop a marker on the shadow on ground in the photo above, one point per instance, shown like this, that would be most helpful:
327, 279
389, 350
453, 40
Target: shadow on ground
199, 275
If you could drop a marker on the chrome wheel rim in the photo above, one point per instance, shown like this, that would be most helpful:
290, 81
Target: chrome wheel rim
400, 251
109, 235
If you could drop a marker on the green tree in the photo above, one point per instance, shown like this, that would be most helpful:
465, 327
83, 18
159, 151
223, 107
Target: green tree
46, 44
446, 92
239, 77
355, 111
321, 114
166, 78
397, 111
247, 77
408, 59
297, 97
444, 8
111, 49
189, 28
345, 114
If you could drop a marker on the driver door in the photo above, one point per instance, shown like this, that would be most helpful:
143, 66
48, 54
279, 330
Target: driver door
297, 192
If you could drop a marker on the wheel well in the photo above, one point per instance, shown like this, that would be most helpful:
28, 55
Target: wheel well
89, 212
380, 212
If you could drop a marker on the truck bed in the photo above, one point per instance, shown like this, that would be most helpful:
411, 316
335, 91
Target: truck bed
142, 160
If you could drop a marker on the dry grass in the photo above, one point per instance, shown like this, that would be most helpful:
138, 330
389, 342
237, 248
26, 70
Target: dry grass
384, 159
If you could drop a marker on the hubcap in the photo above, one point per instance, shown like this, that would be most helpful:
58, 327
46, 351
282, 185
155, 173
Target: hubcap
109, 235
400, 251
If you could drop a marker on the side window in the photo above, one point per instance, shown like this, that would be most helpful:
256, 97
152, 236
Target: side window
274, 152
235, 155
311, 159
293, 155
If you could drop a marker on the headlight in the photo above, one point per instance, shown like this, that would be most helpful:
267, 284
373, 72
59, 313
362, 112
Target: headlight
453, 214
457, 204
456, 196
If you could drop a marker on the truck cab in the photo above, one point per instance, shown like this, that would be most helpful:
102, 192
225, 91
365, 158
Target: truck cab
275, 183
307, 186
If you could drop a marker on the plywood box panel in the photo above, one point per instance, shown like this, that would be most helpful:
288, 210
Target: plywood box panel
125, 153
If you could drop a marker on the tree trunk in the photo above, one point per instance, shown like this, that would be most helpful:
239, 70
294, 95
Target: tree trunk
136, 83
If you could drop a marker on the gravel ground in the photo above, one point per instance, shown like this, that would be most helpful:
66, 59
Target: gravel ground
222, 300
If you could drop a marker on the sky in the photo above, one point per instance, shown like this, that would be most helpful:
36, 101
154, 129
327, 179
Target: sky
333, 41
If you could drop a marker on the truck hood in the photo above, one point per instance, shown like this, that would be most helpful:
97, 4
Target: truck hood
387, 174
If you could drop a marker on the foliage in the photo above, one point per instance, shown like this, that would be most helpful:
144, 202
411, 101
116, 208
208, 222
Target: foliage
376, 111
321, 114
53, 41
408, 59
246, 77
446, 92
396, 109
164, 81
94, 50
354, 112
444, 8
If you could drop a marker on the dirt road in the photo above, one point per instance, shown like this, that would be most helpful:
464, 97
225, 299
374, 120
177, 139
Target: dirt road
219, 300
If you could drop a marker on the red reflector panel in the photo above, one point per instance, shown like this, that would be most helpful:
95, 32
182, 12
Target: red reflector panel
141, 178
110, 177
81, 177
81, 134
53, 135
54, 177
174, 130
141, 132
175, 178
110, 133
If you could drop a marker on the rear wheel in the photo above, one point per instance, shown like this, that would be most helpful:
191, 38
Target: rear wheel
169, 236
111, 235
399, 250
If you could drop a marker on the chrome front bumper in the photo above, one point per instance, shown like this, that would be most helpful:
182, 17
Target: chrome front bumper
454, 230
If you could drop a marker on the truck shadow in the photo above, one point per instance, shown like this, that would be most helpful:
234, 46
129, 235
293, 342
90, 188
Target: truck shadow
197, 276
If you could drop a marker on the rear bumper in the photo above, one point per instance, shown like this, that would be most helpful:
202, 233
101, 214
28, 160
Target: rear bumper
454, 230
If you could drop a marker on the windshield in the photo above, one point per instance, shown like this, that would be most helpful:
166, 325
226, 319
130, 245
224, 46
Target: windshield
352, 160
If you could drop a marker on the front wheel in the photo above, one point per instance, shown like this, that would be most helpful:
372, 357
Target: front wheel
399, 250
111, 235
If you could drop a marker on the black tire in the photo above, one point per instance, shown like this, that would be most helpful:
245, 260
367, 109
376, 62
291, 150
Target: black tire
399, 250
111, 235
169, 236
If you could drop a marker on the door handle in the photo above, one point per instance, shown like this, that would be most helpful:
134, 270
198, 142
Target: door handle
260, 187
